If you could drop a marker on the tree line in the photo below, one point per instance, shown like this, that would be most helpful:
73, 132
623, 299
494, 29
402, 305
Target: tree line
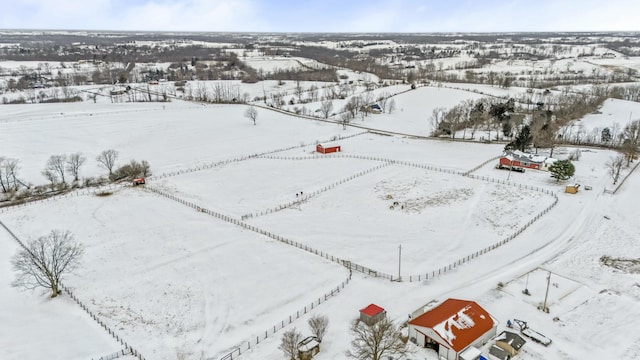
62, 171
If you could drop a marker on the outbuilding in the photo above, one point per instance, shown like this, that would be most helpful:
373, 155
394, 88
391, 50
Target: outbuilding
326, 150
372, 314
308, 348
510, 342
452, 328
572, 188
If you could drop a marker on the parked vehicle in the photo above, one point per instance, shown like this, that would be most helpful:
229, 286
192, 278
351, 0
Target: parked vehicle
512, 168
139, 181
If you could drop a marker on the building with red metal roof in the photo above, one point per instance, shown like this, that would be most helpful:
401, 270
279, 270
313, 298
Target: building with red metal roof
372, 314
452, 327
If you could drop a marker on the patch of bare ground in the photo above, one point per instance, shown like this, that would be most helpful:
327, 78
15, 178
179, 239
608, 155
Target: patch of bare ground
630, 266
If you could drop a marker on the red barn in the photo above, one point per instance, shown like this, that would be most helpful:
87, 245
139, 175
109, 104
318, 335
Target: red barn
453, 327
327, 150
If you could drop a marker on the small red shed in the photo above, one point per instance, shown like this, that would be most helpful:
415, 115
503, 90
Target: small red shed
372, 314
327, 150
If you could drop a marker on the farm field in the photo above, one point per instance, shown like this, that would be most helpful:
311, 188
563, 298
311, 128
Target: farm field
23, 336
433, 215
259, 184
180, 261
169, 278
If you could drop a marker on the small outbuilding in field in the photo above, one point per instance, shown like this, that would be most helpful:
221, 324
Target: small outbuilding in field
308, 348
326, 150
372, 314
453, 328
572, 189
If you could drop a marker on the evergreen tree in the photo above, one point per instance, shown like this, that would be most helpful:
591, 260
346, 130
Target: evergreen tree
562, 170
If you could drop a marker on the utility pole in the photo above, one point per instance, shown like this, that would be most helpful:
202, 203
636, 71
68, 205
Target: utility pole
546, 295
399, 260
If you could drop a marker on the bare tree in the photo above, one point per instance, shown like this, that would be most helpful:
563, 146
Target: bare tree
367, 101
9, 174
615, 166
313, 93
289, 344
44, 261
56, 164
631, 132
352, 106
392, 105
74, 162
436, 118
372, 342
318, 325
51, 176
454, 119
345, 119
107, 160
630, 151
383, 99
251, 113
326, 107
299, 90
4, 184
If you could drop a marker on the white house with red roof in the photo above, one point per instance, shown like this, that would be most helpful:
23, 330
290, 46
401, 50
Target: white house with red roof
452, 328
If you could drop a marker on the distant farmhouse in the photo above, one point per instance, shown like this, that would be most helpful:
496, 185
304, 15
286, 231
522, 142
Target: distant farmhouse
525, 160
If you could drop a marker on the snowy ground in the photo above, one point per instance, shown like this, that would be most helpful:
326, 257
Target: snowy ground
175, 281
166, 276
29, 317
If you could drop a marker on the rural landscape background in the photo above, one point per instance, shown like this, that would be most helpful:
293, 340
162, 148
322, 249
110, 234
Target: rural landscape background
243, 230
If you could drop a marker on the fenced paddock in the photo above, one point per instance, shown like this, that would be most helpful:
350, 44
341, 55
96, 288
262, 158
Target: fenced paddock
259, 184
192, 275
434, 214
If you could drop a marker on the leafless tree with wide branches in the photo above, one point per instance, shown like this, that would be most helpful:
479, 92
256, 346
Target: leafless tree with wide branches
44, 261
289, 344
251, 113
74, 162
373, 342
107, 159
57, 165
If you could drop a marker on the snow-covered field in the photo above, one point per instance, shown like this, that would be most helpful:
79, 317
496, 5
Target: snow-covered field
177, 282
167, 276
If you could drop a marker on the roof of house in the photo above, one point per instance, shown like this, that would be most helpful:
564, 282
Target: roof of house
514, 340
527, 157
499, 353
372, 310
457, 322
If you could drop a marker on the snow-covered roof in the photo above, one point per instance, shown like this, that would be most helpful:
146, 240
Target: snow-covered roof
308, 344
532, 158
514, 340
458, 322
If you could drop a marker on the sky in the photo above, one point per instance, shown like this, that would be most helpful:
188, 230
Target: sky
323, 15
